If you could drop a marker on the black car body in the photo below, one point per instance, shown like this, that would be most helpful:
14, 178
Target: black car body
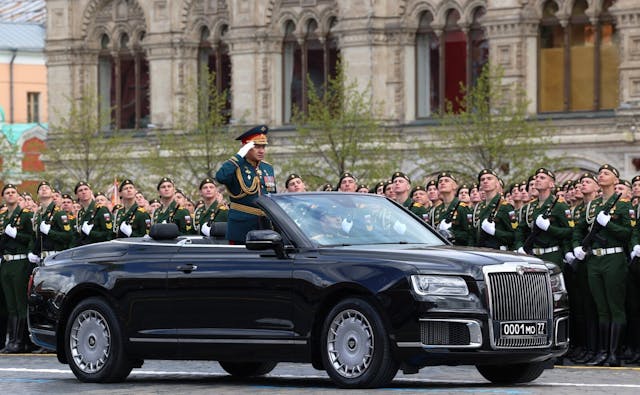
352, 283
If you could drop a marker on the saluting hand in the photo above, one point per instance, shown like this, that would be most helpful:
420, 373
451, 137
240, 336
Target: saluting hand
246, 148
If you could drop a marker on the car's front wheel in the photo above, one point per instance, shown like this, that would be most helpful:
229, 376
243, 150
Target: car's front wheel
94, 344
247, 369
356, 349
512, 374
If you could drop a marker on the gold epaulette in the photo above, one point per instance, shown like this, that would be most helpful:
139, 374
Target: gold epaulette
142, 210
233, 159
71, 216
56, 208
26, 210
98, 205
504, 202
265, 162
3, 210
561, 199
624, 200
463, 204
417, 204
224, 208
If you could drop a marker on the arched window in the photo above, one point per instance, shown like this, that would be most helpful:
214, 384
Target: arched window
551, 60
478, 49
292, 70
455, 60
214, 57
427, 68
607, 61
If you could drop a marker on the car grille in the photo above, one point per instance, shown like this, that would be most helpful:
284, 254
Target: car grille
444, 333
520, 297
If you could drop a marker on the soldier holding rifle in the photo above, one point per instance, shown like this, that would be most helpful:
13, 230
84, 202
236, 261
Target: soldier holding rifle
495, 217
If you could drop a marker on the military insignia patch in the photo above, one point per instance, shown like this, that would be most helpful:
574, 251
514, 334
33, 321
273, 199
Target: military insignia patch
109, 225
512, 216
107, 217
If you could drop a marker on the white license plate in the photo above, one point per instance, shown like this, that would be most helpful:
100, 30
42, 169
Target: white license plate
523, 329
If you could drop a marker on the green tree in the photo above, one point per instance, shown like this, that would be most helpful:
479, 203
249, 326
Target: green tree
201, 140
340, 132
490, 129
82, 146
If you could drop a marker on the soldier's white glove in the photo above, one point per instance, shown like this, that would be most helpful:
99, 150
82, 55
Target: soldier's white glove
246, 148
635, 252
489, 227
444, 225
543, 223
399, 227
603, 218
33, 258
569, 257
45, 228
579, 253
206, 229
86, 228
346, 225
126, 228
10, 231
521, 250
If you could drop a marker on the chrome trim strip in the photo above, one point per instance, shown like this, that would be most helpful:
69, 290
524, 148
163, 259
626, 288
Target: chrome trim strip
475, 335
43, 332
555, 334
216, 341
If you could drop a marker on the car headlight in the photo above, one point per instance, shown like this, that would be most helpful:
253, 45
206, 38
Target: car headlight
439, 285
557, 283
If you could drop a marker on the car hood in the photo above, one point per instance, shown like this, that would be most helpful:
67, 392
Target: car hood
437, 260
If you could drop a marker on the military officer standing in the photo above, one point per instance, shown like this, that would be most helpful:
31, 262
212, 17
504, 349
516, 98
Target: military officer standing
211, 211
131, 220
451, 216
247, 176
94, 223
15, 268
495, 217
170, 211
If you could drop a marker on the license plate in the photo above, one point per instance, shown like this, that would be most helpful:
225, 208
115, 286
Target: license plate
523, 329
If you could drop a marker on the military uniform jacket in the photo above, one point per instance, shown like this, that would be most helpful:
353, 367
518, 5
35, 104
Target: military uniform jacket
60, 234
213, 213
505, 219
245, 183
461, 220
137, 217
617, 233
100, 217
559, 232
174, 214
417, 208
21, 220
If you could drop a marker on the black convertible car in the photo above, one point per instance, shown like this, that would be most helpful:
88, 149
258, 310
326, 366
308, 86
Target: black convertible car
352, 283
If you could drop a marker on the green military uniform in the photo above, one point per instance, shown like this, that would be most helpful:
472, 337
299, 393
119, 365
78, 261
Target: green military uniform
137, 217
633, 289
98, 216
417, 208
458, 214
174, 214
505, 219
213, 213
60, 233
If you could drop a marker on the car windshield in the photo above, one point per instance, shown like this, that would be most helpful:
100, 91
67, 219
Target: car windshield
330, 219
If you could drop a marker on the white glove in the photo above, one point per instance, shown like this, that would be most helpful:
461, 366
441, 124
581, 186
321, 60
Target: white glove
44, 228
444, 225
11, 231
86, 228
569, 257
489, 227
246, 148
635, 252
603, 218
346, 225
33, 258
399, 227
521, 251
543, 223
125, 228
205, 229
579, 253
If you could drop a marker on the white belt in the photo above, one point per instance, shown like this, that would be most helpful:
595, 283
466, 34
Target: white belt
541, 251
45, 254
8, 257
606, 251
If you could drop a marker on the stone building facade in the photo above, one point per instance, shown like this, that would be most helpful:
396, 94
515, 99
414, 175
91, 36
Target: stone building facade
578, 59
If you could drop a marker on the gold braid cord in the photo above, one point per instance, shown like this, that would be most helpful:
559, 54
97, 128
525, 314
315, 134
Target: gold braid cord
246, 190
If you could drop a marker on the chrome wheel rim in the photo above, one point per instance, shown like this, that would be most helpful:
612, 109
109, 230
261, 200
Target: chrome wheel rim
350, 344
90, 341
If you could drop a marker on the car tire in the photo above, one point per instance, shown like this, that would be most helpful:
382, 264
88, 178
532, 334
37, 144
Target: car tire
356, 349
512, 374
94, 345
247, 369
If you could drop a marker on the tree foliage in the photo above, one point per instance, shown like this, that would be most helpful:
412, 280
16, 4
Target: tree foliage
491, 130
341, 132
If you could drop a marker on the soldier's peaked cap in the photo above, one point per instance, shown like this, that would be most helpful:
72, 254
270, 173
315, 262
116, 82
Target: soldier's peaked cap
487, 171
547, 172
163, 180
8, 186
43, 182
612, 169
257, 134
80, 184
125, 182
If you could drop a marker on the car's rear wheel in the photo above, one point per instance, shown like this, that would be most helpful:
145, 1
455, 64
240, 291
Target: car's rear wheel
247, 369
94, 345
512, 374
356, 349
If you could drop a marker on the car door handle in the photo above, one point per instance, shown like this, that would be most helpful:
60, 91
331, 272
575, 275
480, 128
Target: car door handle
187, 268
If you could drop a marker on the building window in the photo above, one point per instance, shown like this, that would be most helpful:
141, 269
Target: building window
213, 57
579, 63
33, 107
455, 60
427, 68
478, 48
123, 83
315, 57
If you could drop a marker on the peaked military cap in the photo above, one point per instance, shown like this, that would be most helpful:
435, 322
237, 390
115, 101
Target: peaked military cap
588, 175
513, 185
163, 180
430, 183
100, 194
626, 183
447, 174
344, 175
43, 182
567, 184
399, 174
291, 177
125, 182
416, 189
80, 184
154, 201
360, 186
9, 186
635, 179
257, 134
547, 172
206, 181
612, 169
487, 171
66, 196
378, 185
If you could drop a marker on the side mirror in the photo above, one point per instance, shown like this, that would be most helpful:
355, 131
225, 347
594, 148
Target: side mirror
259, 240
